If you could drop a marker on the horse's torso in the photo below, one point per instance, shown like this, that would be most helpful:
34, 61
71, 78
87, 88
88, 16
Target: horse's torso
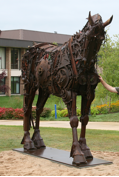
49, 66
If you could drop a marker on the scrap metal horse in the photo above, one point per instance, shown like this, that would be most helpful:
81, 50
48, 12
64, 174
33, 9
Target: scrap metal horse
65, 71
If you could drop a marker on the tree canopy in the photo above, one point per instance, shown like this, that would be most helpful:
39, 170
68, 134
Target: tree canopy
108, 57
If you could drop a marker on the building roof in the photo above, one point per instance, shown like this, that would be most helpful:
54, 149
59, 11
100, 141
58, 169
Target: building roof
37, 36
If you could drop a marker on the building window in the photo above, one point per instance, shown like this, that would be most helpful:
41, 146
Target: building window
2, 58
15, 85
2, 82
15, 58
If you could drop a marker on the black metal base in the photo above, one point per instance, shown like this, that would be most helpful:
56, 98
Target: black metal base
60, 156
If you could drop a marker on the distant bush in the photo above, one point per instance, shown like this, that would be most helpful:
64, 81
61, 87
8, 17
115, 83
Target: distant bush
107, 108
64, 113
53, 113
11, 113
18, 113
46, 112
2, 112
58, 113
78, 111
94, 111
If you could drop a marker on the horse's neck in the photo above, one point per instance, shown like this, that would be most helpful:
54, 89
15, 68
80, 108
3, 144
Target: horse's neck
86, 51
89, 47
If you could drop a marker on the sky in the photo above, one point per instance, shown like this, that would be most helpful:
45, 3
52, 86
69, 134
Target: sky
62, 16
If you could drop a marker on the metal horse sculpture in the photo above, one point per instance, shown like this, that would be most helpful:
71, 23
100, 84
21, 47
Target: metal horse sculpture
65, 71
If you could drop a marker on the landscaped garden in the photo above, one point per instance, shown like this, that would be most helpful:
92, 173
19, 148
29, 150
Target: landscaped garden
12, 108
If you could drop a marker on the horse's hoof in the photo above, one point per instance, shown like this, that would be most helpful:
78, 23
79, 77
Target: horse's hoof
85, 149
39, 143
29, 146
79, 159
36, 138
87, 154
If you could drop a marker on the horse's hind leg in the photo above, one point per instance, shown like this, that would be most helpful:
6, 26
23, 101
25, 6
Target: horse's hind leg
28, 99
84, 120
76, 153
42, 98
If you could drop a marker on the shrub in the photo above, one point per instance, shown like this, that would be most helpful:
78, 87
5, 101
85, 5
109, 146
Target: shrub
53, 113
94, 111
9, 113
46, 112
18, 113
2, 112
78, 111
58, 113
114, 107
103, 109
64, 113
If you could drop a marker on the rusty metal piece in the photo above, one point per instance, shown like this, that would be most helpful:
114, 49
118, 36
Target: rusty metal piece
42, 72
108, 21
72, 59
65, 71
90, 19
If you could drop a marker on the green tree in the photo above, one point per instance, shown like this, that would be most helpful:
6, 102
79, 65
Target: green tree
109, 62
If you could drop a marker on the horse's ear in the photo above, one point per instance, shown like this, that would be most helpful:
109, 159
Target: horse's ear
108, 21
90, 19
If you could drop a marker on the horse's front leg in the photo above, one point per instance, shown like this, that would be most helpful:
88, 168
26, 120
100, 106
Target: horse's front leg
76, 153
42, 98
85, 106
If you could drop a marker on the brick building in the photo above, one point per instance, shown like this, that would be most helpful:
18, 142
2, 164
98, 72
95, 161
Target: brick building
13, 44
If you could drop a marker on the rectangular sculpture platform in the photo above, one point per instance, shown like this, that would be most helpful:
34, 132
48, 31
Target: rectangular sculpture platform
60, 156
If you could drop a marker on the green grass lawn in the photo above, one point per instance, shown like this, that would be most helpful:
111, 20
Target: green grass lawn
11, 102
61, 138
17, 102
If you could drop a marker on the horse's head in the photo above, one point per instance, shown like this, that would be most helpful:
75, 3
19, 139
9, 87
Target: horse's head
95, 26
94, 34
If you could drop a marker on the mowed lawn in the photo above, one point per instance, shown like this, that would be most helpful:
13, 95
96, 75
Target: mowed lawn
60, 138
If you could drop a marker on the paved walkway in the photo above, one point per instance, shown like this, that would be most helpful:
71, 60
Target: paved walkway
65, 124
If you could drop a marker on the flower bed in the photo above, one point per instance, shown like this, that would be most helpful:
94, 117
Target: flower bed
11, 113
107, 108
